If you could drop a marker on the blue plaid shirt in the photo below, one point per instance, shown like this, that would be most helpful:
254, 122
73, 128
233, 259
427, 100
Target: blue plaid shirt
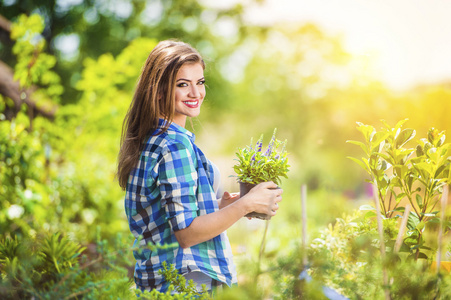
171, 185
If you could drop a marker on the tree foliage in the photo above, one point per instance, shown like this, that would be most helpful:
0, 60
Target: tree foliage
61, 112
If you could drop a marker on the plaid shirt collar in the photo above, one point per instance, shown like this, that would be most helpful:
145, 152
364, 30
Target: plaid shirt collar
178, 128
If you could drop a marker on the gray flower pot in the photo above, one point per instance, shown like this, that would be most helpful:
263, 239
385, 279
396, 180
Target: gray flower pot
244, 189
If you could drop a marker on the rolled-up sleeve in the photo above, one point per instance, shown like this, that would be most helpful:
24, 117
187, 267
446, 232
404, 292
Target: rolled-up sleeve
177, 180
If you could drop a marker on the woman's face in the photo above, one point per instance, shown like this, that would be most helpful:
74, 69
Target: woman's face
189, 92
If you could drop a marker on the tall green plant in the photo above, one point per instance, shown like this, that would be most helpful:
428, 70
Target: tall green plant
401, 174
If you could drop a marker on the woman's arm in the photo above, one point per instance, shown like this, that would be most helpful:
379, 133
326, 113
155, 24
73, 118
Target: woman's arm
177, 180
261, 199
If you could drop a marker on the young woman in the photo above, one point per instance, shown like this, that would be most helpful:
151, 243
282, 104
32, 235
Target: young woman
170, 185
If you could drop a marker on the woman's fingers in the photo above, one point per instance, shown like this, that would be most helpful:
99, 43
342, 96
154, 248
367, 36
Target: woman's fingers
266, 196
279, 196
235, 196
269, 185
226, 196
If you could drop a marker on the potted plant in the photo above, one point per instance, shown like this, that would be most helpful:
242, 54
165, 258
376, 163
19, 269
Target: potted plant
255, 166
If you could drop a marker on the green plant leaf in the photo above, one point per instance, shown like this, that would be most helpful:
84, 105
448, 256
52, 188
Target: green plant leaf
400, 123
420, 226
378, 141
360, 163
362, 145
367, 207
419, 150
412, 221
400, 209
404, 136
419, 200
370, 214
366, 130
434, 220
428, 214
425, 168
423, 256
399, 197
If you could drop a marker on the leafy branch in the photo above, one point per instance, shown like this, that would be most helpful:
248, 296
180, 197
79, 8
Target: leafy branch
417, 174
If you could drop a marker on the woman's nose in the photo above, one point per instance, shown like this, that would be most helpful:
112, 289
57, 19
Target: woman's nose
194, 92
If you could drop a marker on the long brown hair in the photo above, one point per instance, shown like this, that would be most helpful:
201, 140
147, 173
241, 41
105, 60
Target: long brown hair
154, 98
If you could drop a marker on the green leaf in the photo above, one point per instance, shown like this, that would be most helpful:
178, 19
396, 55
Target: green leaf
439, 171
374, 159
361, 163
434, 220
412, 221
367, 207
400, 209
422, 255
404, 136
426, 168
378, 140
366, 130
399, 197
420, 226
409, 182
419, 150
431, 135
370, 214
400, 123
419, 200
404, 248
401, 170
362, 145
429, 214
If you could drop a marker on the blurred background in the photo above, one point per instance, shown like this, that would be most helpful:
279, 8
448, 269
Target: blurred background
311, 69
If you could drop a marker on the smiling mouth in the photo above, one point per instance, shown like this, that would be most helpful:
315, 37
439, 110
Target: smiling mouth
191, 103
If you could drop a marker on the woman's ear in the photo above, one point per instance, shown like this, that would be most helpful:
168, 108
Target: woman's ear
160, 93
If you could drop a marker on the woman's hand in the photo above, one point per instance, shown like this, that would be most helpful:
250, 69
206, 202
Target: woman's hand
264, 198
228, 198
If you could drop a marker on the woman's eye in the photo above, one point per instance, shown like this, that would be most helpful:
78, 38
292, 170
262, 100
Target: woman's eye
182, 84
202, 82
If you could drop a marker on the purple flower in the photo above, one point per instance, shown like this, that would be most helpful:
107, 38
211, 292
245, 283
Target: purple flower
268, 151
259, 146
271, 143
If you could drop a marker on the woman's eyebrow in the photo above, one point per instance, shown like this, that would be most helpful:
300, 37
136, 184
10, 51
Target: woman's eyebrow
183, 79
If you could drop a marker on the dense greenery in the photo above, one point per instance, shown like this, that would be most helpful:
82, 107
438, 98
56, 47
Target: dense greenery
63, 230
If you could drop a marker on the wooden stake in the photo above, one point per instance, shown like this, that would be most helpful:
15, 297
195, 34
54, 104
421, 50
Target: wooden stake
262, 248
381, 237
402, 229
444, 201
304, 222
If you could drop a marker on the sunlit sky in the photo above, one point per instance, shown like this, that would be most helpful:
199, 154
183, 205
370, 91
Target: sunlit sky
407, 41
